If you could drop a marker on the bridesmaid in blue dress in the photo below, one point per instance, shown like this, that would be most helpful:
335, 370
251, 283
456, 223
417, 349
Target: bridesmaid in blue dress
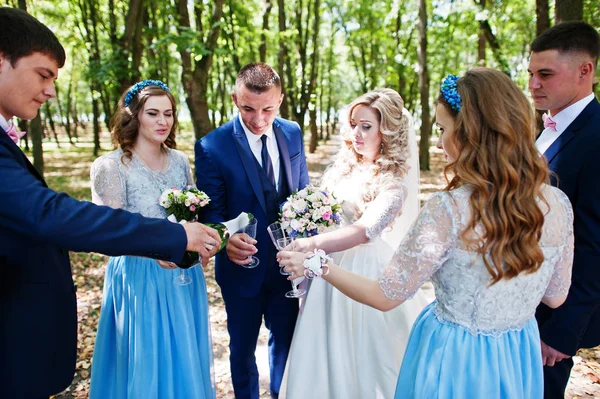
153, 337
495, 242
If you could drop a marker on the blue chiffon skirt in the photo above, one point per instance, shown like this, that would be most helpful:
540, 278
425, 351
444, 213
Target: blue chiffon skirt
153, 338
443, 360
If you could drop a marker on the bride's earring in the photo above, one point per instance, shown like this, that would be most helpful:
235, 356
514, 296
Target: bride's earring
381, 148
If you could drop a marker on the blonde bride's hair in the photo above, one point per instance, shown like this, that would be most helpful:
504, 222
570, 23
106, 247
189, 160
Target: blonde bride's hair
391, 163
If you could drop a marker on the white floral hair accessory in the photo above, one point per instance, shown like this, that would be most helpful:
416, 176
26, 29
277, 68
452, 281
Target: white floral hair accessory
316, 264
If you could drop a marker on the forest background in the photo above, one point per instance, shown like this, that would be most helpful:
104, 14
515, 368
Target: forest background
327, 52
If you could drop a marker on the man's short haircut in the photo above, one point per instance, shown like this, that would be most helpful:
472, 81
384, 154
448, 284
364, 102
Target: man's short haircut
570, 37
22, 35
258, 77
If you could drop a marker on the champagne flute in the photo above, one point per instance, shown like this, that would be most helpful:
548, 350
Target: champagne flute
276, 232
295, 292
250, 230
189, 259
280, 244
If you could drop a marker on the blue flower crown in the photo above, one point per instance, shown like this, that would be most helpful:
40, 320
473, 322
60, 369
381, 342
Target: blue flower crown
134, 91
450, 92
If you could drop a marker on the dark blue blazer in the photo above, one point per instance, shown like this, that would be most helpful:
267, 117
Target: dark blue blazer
575, 159
38, 306
226, 170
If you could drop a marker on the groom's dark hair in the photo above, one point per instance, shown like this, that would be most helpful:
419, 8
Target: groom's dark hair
22, 35
258, 77
574, 37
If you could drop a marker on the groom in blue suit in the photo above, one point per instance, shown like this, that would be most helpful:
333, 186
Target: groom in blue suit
38, 227
562, 68
252, 164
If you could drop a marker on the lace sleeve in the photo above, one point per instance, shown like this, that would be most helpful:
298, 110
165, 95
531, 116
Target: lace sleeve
382, 211
561, 278
189, 177
427, 245
108, 184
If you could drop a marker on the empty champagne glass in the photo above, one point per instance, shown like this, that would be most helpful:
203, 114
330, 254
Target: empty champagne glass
276, 232
250, 229
295, 292
280, 244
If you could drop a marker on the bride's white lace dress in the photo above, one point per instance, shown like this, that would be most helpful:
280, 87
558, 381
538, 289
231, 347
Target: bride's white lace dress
341, 348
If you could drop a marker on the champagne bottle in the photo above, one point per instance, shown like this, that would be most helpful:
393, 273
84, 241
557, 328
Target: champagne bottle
191, 258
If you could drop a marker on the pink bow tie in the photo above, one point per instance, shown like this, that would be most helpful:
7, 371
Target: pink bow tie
549, 122
14, 134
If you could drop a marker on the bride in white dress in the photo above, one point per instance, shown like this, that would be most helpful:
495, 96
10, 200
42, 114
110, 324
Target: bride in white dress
341, 348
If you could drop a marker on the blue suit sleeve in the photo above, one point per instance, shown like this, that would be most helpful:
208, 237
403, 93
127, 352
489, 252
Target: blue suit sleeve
32, 211
568, 323
210, 180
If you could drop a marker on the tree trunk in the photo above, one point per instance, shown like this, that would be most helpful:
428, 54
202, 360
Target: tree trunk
542, 18
96, 116
262, 50
482, 39
50, 121
284, 109
129, 42
568, 10
36, 131
314, 134
195, 73
424, 86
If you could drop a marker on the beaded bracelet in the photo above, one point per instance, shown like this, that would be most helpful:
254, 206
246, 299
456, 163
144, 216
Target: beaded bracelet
316, 264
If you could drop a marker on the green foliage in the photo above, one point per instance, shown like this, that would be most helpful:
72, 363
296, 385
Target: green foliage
362, 44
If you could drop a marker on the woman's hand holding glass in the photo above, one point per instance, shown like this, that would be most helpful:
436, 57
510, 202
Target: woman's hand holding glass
293, 261
282, 240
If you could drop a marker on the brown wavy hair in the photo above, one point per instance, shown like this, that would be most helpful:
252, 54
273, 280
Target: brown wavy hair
495, 134
125, 123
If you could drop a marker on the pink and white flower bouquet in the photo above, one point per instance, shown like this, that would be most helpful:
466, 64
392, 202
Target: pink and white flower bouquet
183, 203
309, 211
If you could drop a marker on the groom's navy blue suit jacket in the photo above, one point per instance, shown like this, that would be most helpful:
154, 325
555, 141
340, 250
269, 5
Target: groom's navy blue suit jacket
38, 306
575, 159
227, 171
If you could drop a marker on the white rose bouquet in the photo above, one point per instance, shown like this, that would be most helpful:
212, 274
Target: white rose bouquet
309, 211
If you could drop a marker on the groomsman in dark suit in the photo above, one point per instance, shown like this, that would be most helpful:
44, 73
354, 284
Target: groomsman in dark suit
562, 68
38, 306
252, 164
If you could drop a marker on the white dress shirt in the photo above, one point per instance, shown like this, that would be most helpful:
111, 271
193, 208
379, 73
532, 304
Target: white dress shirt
4, 123
563, 119
256, 147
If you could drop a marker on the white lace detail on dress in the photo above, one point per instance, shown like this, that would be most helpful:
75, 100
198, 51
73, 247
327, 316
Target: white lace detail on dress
433, 250
377, 214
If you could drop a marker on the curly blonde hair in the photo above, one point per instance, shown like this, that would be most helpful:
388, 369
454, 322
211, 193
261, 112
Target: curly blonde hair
125, 123
495, 135
390, 164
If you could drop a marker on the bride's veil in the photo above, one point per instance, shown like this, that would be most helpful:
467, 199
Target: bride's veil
411, 207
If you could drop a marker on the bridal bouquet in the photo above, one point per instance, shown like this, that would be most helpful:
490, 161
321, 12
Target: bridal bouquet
309, 212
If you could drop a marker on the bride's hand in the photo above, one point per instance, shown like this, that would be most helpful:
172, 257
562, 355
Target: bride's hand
166, 265
293, 262
301, 245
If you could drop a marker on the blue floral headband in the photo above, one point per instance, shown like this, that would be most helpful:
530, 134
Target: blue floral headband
450, 92
139, 86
